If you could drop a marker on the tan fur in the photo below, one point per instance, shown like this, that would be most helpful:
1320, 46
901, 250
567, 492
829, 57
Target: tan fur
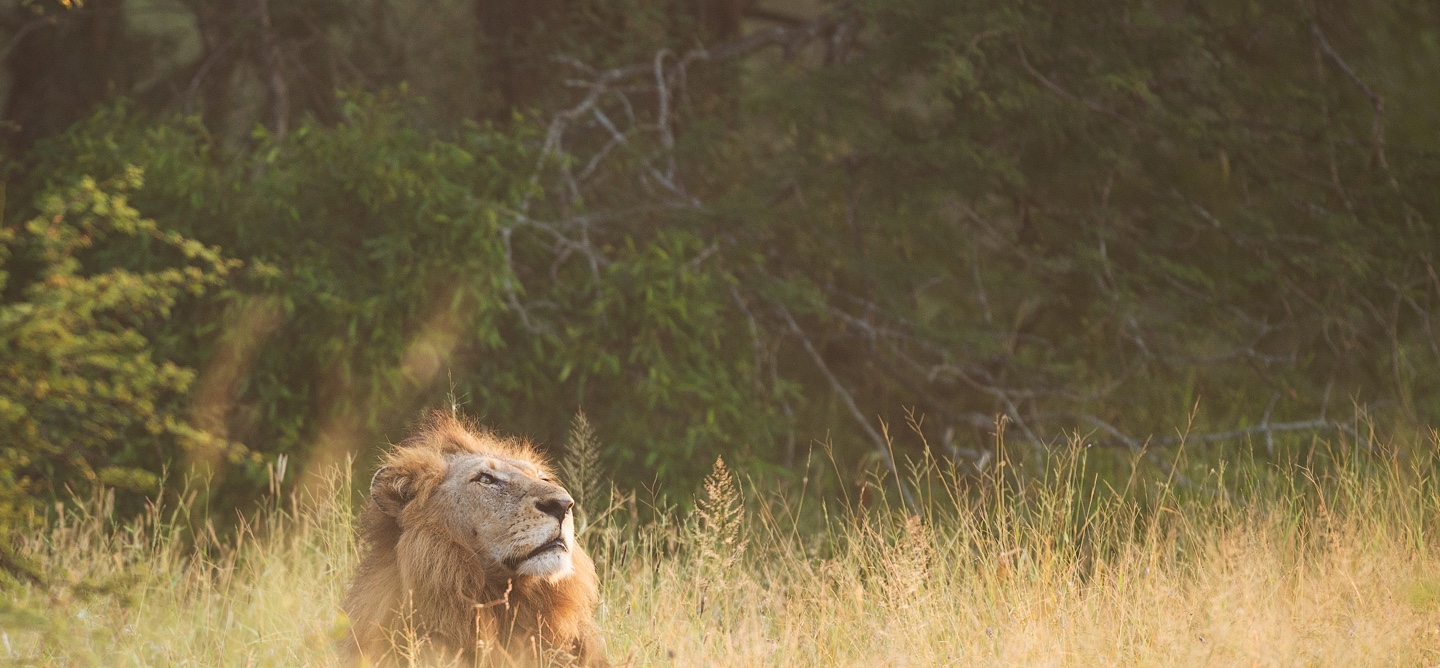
445, 574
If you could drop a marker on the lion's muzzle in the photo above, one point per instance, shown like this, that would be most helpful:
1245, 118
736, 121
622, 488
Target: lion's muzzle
556, 543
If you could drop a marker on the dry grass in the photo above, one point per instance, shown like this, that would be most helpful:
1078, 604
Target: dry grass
1260, 565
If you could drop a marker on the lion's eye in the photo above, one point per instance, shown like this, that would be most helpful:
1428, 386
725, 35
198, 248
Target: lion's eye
485, 479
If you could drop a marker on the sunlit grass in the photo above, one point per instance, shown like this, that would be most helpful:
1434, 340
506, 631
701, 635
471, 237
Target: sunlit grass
1327, 560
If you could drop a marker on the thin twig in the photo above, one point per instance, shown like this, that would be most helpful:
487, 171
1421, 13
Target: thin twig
1055, 88
1377, 101
880, 445
1304, 425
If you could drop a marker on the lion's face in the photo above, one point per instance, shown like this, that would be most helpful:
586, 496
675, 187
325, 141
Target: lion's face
459, 518
511, 512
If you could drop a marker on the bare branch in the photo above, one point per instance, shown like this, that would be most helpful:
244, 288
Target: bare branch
34, 24
1056, 89
564, 182
1267, 429
1136, 447
1377, 101
881, 446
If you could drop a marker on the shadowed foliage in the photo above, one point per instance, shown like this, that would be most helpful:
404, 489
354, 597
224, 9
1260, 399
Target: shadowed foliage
726, 227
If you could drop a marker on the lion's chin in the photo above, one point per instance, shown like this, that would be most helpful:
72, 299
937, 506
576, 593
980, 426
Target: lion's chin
553, 565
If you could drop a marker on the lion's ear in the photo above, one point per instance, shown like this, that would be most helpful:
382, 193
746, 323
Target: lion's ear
391, 489
405, 476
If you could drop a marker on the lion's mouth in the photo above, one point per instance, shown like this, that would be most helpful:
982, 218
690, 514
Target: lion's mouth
556, 543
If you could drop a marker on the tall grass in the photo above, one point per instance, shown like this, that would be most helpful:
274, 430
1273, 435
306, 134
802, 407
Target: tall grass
1326, 559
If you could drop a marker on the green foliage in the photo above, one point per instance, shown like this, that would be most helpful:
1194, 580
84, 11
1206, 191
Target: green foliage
387, 257
393, 262
1105, 210
84, 399
1089, 216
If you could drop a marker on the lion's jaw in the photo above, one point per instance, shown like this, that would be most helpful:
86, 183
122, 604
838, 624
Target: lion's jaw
550, 559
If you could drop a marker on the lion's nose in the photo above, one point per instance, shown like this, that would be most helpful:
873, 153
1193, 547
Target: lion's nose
555, 506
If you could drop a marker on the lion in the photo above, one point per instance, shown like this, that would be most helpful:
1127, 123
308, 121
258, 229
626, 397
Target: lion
471, 557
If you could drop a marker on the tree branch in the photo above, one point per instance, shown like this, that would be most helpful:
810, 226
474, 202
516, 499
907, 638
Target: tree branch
881, 446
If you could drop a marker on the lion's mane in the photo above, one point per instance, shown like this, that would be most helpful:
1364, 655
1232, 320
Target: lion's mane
417, 590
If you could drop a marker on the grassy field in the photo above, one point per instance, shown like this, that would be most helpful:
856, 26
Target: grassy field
1328, 559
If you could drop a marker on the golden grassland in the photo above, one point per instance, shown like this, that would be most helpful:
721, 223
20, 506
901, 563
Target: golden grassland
1328, 559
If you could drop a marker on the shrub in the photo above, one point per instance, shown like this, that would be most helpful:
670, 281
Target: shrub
84, 401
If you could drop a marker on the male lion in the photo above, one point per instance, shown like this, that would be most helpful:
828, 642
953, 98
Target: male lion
471, 556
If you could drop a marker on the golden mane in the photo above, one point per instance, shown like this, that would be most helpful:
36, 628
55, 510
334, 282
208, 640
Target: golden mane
420, 589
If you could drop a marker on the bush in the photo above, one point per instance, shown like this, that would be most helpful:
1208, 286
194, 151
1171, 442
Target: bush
84, 399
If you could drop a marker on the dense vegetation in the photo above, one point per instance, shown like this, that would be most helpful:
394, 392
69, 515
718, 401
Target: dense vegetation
716, 227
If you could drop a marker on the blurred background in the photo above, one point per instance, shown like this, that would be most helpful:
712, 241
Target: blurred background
242, 235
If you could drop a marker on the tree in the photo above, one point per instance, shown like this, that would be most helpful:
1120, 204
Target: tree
63, 59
